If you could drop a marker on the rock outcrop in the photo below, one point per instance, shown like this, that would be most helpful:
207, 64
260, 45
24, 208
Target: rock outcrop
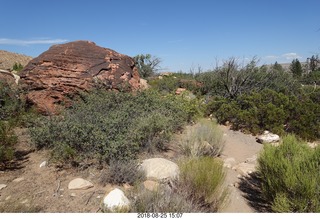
59, 74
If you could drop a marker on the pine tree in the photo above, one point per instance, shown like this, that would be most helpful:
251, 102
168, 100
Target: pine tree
296, 68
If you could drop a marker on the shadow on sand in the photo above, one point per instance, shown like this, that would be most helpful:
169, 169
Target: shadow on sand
251, 188
19, 161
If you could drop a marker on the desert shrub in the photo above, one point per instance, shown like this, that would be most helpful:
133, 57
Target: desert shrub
203, 139
7, 141
311, 78
270, 110
290, 176
112, 125
17, 67
202, 178
168, 84
10, 104
120, 172
233, 79
162, 200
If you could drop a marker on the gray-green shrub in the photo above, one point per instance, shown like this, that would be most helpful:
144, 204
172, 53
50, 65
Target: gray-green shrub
290, 176
113, 125
120, 172
203, 139
163, 199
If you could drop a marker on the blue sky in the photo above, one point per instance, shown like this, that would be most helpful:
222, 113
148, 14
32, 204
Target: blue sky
183, 34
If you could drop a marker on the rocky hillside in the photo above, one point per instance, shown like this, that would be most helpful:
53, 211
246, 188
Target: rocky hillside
8, 59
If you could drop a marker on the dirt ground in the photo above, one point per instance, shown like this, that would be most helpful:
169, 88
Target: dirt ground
31, 188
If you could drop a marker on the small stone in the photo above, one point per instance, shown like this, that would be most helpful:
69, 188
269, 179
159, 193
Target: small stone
236, 185
229, 162
43, 164
99, 196
8, 197
24, 201
79, 183
73, 195
268, 137
18, 179
2, 186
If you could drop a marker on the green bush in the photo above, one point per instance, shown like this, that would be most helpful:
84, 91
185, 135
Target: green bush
10, 104
17, 67
7, 141
311, 78
203, 139
113, 125
202, 178
270, 110
290, 176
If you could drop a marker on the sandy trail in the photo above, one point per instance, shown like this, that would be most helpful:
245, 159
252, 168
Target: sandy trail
240, 147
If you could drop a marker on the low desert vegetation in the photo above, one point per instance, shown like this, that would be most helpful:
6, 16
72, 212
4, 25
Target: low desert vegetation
270, 110
201, 178
198, 189
290, 176
162, 200
113, 128
120, 172
108, 126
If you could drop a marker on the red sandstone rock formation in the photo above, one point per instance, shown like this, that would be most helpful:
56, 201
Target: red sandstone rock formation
57, 75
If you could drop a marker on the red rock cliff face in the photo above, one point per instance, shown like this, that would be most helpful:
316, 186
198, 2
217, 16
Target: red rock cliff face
60, 73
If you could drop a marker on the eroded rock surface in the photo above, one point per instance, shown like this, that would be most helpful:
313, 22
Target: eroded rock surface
57, 75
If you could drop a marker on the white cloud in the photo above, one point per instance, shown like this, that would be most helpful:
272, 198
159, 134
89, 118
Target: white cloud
271, 57
5, 41
291, 55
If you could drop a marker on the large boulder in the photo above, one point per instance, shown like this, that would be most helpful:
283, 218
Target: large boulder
160, 169
59, 74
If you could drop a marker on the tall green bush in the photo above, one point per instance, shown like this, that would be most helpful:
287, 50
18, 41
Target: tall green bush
290, 176
202, 180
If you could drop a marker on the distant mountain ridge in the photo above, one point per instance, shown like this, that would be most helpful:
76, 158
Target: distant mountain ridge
8, 59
